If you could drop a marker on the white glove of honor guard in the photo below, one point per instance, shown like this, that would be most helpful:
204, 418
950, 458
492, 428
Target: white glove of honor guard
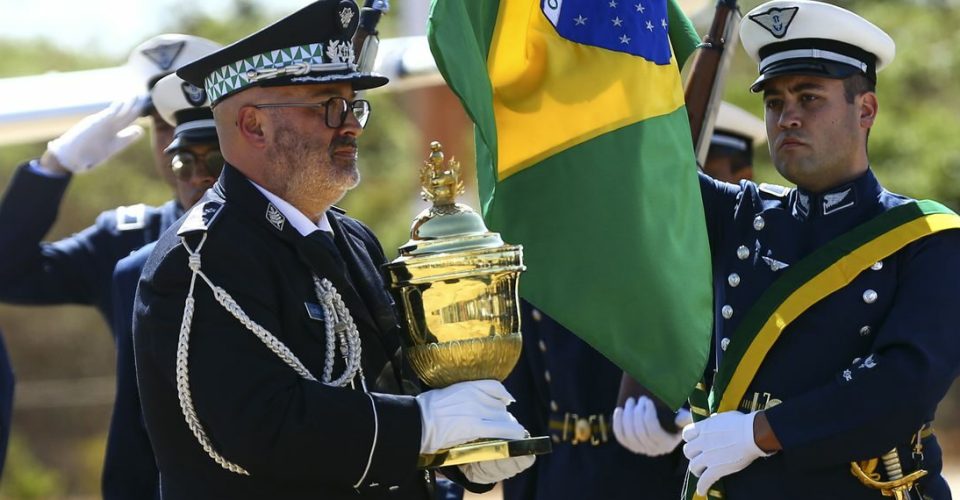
468, 411
637, 428
98, 137
719, 446
493, 471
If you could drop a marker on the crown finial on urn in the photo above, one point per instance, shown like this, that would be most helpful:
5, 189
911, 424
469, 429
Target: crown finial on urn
440, 183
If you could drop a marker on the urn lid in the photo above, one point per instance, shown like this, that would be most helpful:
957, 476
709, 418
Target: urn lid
447, 226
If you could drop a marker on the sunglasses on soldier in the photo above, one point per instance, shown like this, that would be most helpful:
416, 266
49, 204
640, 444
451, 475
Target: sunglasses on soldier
186, 163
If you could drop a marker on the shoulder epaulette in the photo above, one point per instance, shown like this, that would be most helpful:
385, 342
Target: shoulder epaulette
775, 190
200, 217
132, 217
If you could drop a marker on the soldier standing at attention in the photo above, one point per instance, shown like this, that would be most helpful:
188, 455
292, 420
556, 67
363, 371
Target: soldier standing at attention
836, 325
567, 390
267, 347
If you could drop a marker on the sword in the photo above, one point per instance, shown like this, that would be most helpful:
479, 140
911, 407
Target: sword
897, 485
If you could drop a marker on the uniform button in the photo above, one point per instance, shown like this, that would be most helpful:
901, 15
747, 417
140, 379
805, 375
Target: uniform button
727, 312
733, 280
724, 343
865, 331
877, 266
743, 253
554, 407
536, 315
758, 223
546, 376
542, 345
870, 296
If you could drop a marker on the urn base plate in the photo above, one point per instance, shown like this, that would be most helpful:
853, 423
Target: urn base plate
485, 449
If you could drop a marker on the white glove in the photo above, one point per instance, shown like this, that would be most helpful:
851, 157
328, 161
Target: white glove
493, 471
98, 137
465, 412
719, 446
637, 428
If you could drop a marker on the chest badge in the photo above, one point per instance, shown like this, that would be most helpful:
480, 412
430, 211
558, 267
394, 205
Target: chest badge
314, 311
775, 265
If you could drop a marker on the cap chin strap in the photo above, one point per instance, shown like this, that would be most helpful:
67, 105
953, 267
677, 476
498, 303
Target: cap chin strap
297, 69
811, 54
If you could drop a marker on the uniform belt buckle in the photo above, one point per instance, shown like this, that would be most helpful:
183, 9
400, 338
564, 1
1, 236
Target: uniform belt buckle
591, 429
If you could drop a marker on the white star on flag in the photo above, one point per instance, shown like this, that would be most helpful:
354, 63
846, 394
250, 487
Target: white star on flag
663, 22
580, 20
640, 8
617, 21
613, 3
649, 26
624, 39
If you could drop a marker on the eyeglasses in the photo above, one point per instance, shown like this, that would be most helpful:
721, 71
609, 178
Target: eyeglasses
185, 163
335, 109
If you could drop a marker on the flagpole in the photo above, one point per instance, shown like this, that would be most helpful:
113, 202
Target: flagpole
703, 94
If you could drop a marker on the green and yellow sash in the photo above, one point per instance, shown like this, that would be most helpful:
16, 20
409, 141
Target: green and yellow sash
828, 269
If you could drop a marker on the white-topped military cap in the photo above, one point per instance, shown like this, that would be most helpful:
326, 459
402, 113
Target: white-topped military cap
163, 54
803, 37
187, 108
737, 128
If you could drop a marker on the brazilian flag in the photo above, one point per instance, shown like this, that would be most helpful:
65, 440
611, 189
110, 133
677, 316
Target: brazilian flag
584, 157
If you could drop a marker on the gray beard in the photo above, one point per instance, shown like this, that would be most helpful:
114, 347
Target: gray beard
309, 175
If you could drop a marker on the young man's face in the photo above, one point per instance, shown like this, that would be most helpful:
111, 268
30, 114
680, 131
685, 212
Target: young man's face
817, 139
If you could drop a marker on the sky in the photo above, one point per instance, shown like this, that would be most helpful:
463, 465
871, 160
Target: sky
109, 27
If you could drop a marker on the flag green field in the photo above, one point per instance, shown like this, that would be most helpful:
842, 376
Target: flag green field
584, 157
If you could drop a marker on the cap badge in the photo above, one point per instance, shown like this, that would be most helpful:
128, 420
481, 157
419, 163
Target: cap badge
776, 20
275, 217
339, 51
164, 55
346, 15
196, 96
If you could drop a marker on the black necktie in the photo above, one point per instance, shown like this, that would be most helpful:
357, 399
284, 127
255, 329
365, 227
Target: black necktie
325, 240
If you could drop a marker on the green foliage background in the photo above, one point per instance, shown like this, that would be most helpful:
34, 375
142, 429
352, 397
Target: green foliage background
58, 445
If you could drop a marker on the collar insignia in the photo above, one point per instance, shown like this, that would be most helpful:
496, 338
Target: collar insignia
834, 202
164, 55
803, 204
776, 20
275, 217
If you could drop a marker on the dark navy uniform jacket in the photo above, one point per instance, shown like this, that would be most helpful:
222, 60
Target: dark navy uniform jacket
131, 470
298, 439
559, 381
862, 370
77, 269
6, 400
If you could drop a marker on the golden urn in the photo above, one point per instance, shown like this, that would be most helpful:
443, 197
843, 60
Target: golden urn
457, 284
